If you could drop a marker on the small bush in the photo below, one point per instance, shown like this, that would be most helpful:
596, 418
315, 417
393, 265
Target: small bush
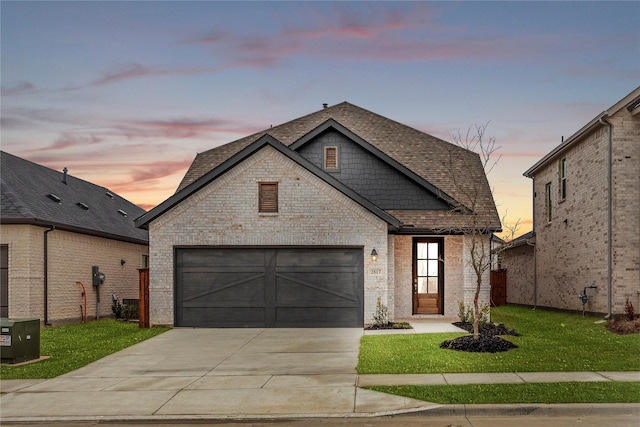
466, 315
463, 313
126, 312
130, 311
629, 311
117, 309
381, 316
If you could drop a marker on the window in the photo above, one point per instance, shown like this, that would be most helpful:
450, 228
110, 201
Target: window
145, 261
331, 157
547, 199
563, 179
268, 197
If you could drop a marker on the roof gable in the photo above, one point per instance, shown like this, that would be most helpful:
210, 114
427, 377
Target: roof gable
371, 172
428, 157
265, 140
35, 194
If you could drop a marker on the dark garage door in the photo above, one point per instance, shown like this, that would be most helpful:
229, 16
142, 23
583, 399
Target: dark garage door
269, 287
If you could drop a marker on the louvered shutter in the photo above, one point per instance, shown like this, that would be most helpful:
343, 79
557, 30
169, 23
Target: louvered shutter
268, 197
331, 157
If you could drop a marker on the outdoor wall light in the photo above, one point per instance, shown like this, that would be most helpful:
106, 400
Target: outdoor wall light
122, 262
374, 255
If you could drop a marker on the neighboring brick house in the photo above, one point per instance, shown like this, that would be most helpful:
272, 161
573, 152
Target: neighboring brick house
54, 229
308, 223
586, 214
517, 259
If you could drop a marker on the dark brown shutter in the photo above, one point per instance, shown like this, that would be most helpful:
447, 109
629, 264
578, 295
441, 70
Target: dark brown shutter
331, 157
268, 197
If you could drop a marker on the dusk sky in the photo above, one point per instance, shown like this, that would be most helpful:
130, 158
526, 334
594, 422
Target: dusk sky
125, 94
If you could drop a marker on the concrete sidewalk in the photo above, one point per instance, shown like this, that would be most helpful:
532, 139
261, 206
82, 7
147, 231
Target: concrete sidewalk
496, 378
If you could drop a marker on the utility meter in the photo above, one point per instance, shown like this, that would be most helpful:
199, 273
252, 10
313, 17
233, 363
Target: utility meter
97, 275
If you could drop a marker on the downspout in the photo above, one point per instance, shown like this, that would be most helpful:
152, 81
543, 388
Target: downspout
46, 275
604, 122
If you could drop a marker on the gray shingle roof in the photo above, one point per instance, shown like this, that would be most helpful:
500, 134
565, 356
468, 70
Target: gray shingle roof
427, 156
24, 198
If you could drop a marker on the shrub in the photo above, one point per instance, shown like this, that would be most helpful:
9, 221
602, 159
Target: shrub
126, 312
467, 315
381, 316
117, 309
629, 311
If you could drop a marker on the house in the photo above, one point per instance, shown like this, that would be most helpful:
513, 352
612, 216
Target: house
516, 259
55, 229
309, 223
586, 215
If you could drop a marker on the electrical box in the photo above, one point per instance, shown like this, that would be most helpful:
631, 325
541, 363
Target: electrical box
97, 276
19, 340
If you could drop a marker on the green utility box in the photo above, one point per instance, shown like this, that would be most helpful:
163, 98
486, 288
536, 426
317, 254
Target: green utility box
19, 340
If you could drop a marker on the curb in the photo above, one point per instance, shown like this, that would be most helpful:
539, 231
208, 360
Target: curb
506, 410
538, 409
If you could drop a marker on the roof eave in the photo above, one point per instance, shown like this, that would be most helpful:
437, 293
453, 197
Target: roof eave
73, 229
444, 231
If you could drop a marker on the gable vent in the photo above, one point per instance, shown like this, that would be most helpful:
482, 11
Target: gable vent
83, 206
109, 195
54, 197
123, 213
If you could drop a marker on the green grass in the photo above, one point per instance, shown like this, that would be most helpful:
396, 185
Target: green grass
73, 346
572, 392
550, 341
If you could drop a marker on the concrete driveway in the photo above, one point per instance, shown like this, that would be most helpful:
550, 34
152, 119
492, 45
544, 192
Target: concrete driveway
214, 373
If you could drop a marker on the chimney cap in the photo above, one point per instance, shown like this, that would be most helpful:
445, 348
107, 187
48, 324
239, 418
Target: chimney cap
325, 105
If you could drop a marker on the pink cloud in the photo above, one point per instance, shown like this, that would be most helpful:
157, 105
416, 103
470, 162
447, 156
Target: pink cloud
179, 128
68, 140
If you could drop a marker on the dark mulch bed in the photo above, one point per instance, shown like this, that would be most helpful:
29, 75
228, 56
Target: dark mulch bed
484, 344
624, 326
487, 342
390, 325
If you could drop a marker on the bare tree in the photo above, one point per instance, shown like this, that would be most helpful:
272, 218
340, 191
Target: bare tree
477, 217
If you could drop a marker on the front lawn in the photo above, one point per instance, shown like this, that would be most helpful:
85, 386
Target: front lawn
73, 346
570, 392
549, 341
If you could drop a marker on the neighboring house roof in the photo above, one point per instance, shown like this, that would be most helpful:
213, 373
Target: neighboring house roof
265, 140
34, 194
525, 239
428, 158
631, 102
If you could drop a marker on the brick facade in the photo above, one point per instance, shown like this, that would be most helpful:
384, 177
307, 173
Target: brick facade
71, 256
311, 212
518, 261
225, 212
572, 248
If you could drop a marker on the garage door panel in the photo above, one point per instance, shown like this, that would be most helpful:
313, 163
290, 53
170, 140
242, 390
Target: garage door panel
250, 317
229, 287
272, 287
315, 258
289, 291
229, 257
316, 317
237, 295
